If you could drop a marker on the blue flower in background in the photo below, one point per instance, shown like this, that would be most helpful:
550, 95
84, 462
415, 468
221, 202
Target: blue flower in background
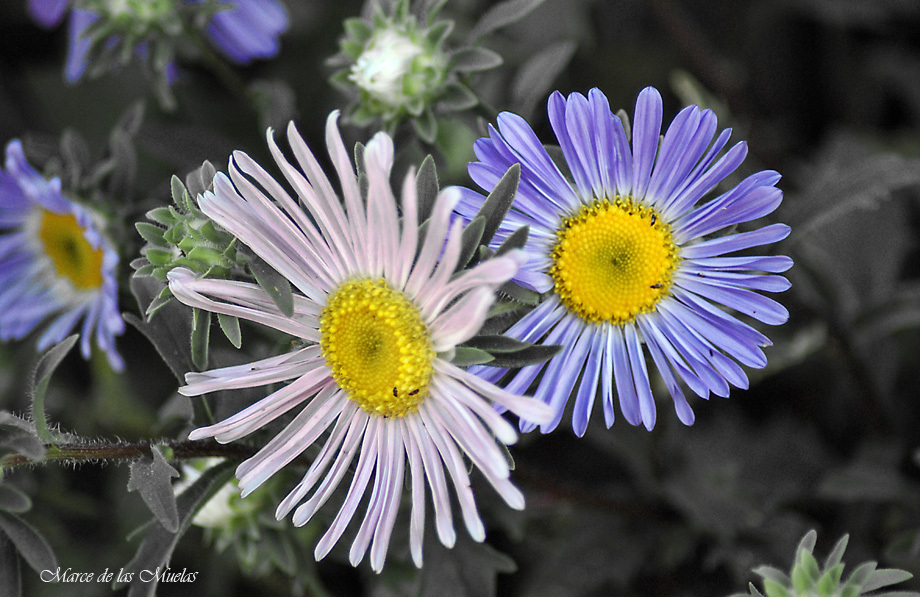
246, 30
53, 263
621, 250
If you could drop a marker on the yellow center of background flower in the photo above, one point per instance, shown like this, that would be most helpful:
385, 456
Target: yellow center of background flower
378, 347
613, 261
70, 253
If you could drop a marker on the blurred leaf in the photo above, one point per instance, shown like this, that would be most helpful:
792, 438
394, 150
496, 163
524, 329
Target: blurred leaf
464, 356
273, 283
153, 480
19, 436
501, 15
533, 81
10, 574
474, 59
41, 377
467, 570
172, 329
28, 542
13, 500
158, 544
531, 355
275, 102
496, 343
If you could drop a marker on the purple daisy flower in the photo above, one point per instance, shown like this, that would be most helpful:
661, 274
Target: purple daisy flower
622, 252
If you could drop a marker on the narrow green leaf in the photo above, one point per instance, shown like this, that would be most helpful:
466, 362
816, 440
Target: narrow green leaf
427, 183
499, 202
774, 589
198, 181
469, 241
426, 126
515, 240
276, 285
532, 82
41, 377
179, 196
28, 542
830, 580
13, 500
439, 32
884, 577
464, 356
532, 355
836, 555
862, 574
456, 97
231, 327
474, 59
201, 337
158, 544
501, 15
496, 344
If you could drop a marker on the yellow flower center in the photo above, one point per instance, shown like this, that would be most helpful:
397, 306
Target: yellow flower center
70, 253
612, 261
378, 347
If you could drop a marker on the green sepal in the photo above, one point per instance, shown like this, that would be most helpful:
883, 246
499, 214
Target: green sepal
201, 335
273, 283
499, 202
464, 356
151, 233
231, 328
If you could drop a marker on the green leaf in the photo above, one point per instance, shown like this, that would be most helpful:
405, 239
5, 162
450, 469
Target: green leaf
426, 182
231, 327
13, 500
464, 356
170, 334
499, 202
535, 78
158, 544
19, 436
180, 197
201, 337
273, 283
469, 242
520, 294
198, 181
439, 32
456, 97
473, 60
774, 589
152, 479
496, 344
28, 542
515, 240
830, 580
41, 377
862, 574
357, 29
884, 577
532, 355
501, 15
836, 555
426, 126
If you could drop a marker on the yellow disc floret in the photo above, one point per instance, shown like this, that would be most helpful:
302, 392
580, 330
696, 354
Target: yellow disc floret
613, 260
70, 253
378, 347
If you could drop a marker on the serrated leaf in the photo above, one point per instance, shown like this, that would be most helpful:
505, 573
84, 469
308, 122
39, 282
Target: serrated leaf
13, 500
426, 182
201, 337
153, 480
464, 356
532, 355
158, 544
474, 59
41, 377
499, 202
535, 78
501, 15
275, 284
230, 326
469, 242
28, 542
